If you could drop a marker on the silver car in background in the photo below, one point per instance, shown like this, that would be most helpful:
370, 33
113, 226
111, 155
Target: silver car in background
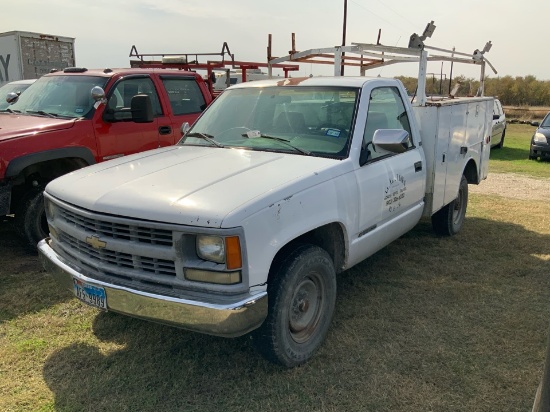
499, 126
16, 87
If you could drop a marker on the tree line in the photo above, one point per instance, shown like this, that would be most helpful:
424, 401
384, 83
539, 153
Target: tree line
511, 91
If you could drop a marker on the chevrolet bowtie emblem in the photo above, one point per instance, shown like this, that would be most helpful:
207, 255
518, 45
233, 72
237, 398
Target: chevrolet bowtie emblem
95, 242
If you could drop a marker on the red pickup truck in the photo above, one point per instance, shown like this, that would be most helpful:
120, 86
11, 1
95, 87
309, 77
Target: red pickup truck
76, 117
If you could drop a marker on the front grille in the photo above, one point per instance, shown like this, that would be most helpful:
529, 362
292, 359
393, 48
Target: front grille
117, 230
117, 250
117, 259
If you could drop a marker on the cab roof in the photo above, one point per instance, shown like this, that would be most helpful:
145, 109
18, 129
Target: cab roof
109, 72
345, 81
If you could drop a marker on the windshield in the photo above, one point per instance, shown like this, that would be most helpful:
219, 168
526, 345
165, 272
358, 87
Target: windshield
546, 121
303, 119
59, 96
11, 88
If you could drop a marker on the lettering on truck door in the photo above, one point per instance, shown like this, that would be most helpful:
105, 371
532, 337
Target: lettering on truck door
116, 134
391, 184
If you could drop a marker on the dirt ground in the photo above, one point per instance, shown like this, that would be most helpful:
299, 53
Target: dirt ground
513, 186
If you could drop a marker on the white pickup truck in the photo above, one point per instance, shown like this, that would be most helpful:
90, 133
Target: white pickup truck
281, 185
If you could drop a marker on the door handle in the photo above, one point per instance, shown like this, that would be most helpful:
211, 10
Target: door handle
417, 167
165, 130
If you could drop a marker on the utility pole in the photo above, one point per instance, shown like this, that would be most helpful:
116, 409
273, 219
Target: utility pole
344, 34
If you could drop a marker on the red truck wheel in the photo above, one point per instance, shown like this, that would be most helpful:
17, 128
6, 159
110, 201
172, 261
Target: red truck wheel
30, 218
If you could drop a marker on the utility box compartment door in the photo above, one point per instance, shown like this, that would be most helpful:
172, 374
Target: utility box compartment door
453, 132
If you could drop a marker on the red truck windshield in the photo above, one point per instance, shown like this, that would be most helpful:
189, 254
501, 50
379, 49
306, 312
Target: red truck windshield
59, 96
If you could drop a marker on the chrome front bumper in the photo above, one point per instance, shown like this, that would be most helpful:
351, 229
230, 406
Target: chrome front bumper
227, 319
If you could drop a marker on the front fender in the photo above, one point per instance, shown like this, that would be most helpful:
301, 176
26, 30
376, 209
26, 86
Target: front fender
17, 165
272, 228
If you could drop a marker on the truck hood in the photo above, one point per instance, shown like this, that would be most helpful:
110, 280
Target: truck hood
20, 125
198, 186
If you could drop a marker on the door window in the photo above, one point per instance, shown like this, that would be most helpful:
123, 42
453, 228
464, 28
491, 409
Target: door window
496, 108
121, 97
185, 95
386, 111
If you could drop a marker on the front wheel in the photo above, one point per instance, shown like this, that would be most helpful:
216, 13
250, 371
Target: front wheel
30, 218
449, 220
302, 296
500, 145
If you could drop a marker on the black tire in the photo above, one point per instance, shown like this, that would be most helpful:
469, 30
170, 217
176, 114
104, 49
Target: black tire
449, 220
532, 157
500, 145
302, 296
30, 218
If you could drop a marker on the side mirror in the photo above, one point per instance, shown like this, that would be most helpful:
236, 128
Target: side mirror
391, 140
142, 109
537, 124
185, 128
12, 97
496, 116
98, 94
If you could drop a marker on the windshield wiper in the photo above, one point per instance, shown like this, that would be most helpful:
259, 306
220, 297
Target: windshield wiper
42, 113
8, 110
279, 139
207, 137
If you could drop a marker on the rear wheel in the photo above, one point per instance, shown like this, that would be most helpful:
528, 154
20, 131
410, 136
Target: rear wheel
30, 218
302, 296
449, 220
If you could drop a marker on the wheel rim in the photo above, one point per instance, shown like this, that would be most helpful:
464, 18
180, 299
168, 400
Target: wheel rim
306, 308
459, 207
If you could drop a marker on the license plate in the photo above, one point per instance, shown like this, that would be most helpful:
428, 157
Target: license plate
90, 294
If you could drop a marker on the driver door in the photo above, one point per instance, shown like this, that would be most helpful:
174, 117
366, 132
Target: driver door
391, 185
117, 135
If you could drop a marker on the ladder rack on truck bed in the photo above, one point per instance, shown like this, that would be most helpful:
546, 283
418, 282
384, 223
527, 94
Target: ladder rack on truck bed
190, 62
369, 56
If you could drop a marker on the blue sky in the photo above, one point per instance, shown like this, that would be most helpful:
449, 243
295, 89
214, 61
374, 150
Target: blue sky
106, 30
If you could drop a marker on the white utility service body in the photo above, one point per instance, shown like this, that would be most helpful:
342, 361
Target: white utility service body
279, 186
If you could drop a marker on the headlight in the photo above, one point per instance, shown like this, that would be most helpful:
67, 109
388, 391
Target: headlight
211, 248
220, 250
539, 138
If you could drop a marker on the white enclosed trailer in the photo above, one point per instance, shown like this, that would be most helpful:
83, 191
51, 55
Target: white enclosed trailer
26, 55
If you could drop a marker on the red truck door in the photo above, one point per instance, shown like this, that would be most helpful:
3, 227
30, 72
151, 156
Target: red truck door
186, 100
115, 132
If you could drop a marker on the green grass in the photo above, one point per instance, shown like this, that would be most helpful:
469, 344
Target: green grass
514, 156
426, 324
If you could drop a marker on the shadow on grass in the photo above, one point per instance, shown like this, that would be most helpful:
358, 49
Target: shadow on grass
428, 323
24, 285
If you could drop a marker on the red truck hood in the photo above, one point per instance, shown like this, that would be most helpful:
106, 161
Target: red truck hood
18, 125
